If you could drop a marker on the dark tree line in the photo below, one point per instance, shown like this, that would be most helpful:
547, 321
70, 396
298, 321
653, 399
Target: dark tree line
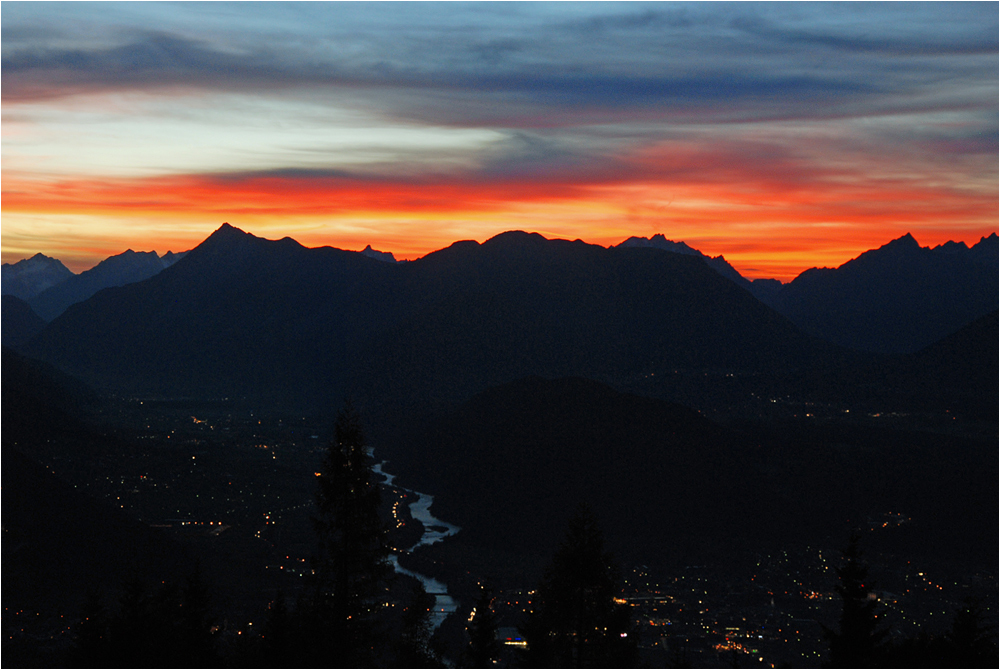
859, 639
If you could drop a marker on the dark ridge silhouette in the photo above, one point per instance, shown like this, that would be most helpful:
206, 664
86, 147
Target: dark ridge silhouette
379, 255
895, 299
59, 544
244, 316
35, 394
512, 463
958, 373
766, 290
29, 277
717, 263
20, 323
898, 298
238, 315
519, 305
125, 268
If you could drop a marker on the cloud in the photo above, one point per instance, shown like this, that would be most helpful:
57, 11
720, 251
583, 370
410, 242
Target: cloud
483, 66
902, 30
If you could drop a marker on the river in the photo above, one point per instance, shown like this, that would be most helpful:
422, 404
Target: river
435, 530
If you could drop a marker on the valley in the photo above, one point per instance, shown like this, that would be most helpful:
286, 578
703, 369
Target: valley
236, 487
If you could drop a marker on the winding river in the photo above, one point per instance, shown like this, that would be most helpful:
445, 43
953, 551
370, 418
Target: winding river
435, 530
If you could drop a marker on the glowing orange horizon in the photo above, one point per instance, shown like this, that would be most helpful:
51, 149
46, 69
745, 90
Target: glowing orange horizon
765, 226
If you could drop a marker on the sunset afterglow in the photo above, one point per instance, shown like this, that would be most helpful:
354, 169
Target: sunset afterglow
783, 136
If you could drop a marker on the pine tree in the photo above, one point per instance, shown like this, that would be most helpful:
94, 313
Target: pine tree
197, 641
483, 647
414, 645
575, 621
92, 634
968, 637
276, 639
858, 642
352, 563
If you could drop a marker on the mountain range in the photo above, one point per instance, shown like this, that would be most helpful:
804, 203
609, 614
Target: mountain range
125, 268
898, 298
49, 287
895, 299
717, 263
244, 316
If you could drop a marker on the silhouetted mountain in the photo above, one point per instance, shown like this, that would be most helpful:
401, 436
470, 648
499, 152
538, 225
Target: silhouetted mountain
125, 268
379, 255
237, 316
717, 263
29, 277
898, 298
766, 290
244, 316
521, 305
958, 373
20, 323
170, 258
40, 400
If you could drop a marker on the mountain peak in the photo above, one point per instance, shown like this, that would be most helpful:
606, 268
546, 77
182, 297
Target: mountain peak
38, 260
514, 238
228, 231
29, 277
990, 241
385, 256
226, 237
659, 241
905, 242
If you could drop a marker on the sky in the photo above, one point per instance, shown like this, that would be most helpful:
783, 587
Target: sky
781, 135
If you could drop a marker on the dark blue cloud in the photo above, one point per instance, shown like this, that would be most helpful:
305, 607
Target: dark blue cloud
979, 40
624, 91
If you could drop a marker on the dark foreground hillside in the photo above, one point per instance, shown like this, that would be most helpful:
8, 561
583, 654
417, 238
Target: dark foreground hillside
61, 546
669, 485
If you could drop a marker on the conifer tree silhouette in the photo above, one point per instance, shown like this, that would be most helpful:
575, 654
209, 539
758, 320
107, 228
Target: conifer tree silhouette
858, 642
483, 647
575, 621
278, 633
414, 645
352, 562
969, 639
